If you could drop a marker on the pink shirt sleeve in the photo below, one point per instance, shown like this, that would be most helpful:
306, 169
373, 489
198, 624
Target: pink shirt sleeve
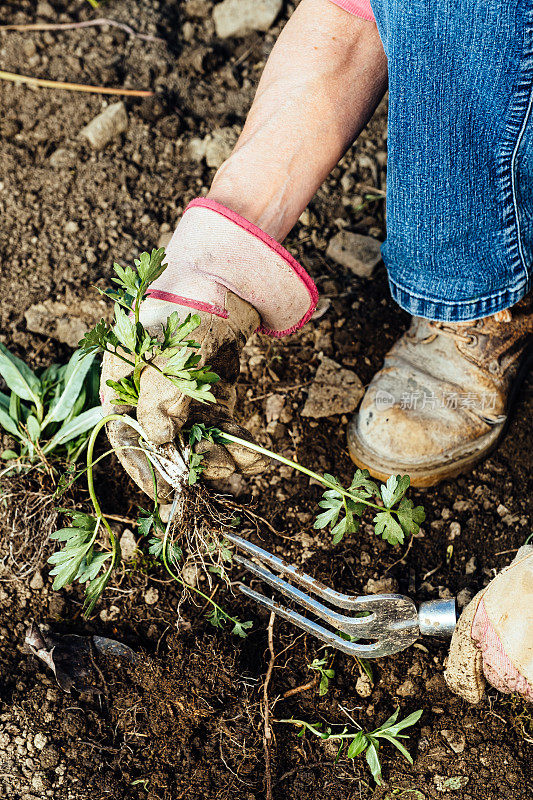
361, 8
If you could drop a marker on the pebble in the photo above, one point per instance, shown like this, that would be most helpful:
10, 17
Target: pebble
62, 158
464, 597
106, 126
239, 17
151, 596
360, 254
189, 573
454, 530
39, 741
273, 407
407, 689
363, 686
65, 321
381, 586
450, 784
335, 390
128, 545
455, 739
71, 226
471, 566
164, 239
219, 145
110, 614
196, 148
37, 581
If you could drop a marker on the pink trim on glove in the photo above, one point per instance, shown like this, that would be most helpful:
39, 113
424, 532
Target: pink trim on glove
169, 297
276, 247
497, 666
359, 8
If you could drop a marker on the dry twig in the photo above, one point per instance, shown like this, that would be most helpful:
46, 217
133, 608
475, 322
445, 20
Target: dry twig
73, 87
267, 731
67, 26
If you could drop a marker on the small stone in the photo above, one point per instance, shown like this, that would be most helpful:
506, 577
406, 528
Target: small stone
196, 148
464, 597
45, 10
359, 254
63, 158
239, 17
106, 126
128, 545
198, 8
471, 566
363, 686
189, 573
455, 739
273, 407
381, 586
37, 582
451, 784
407, 689
219, 145
454, 530
39, 741
109, 614
71, 226
151, 596
67, 322
335, 390
305, 217
164, 239
28, 48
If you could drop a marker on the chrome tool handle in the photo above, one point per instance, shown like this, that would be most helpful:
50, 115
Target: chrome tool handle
437, 618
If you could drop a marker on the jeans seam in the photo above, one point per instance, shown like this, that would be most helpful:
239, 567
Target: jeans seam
516, 287
514, 182
519, 115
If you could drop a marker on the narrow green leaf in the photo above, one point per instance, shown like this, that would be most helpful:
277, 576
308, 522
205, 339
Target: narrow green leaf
357, 746
70, 430
373, 762
19, 377
77, 369
9, 425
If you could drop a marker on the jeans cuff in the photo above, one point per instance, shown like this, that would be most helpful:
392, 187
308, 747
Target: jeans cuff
458, 310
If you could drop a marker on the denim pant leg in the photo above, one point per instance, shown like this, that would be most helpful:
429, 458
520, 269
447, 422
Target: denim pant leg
460, 154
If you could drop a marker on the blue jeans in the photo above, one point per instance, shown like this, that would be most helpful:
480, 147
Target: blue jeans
460, 154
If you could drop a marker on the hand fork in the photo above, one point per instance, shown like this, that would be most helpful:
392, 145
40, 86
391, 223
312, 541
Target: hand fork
387, 622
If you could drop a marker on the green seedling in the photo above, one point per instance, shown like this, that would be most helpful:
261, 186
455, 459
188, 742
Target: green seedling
342, 508
326, 673
128, 340
48, 414
355, 743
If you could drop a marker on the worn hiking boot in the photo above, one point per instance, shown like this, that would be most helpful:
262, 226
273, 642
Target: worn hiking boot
441, 401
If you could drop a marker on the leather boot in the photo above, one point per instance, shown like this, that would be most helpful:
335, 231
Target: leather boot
442, 399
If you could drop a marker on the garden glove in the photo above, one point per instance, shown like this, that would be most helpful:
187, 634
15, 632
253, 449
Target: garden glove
493, 639
238, 280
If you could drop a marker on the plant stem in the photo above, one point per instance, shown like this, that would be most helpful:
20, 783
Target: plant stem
295, 465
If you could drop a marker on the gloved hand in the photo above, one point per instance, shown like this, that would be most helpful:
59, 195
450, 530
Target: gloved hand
237, 279
493, 639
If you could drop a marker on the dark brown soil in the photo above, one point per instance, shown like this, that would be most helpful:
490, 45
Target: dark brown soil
187, 722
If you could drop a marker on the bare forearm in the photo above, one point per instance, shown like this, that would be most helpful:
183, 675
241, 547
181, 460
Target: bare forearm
321, 84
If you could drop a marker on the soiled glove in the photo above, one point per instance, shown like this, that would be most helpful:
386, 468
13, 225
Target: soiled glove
493, 639
237, 279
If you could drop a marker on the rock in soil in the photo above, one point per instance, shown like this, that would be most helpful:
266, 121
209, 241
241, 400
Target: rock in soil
359, 254
63, 158
335, 390
66, 321
239, 17
106, 126
128, 545
455, 739
218, 146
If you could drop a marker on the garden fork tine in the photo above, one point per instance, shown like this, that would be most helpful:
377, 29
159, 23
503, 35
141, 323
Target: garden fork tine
392, 620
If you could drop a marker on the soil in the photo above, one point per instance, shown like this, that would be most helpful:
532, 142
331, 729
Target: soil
186, 721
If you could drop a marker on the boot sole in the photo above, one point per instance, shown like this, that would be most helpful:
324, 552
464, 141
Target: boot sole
431, 474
